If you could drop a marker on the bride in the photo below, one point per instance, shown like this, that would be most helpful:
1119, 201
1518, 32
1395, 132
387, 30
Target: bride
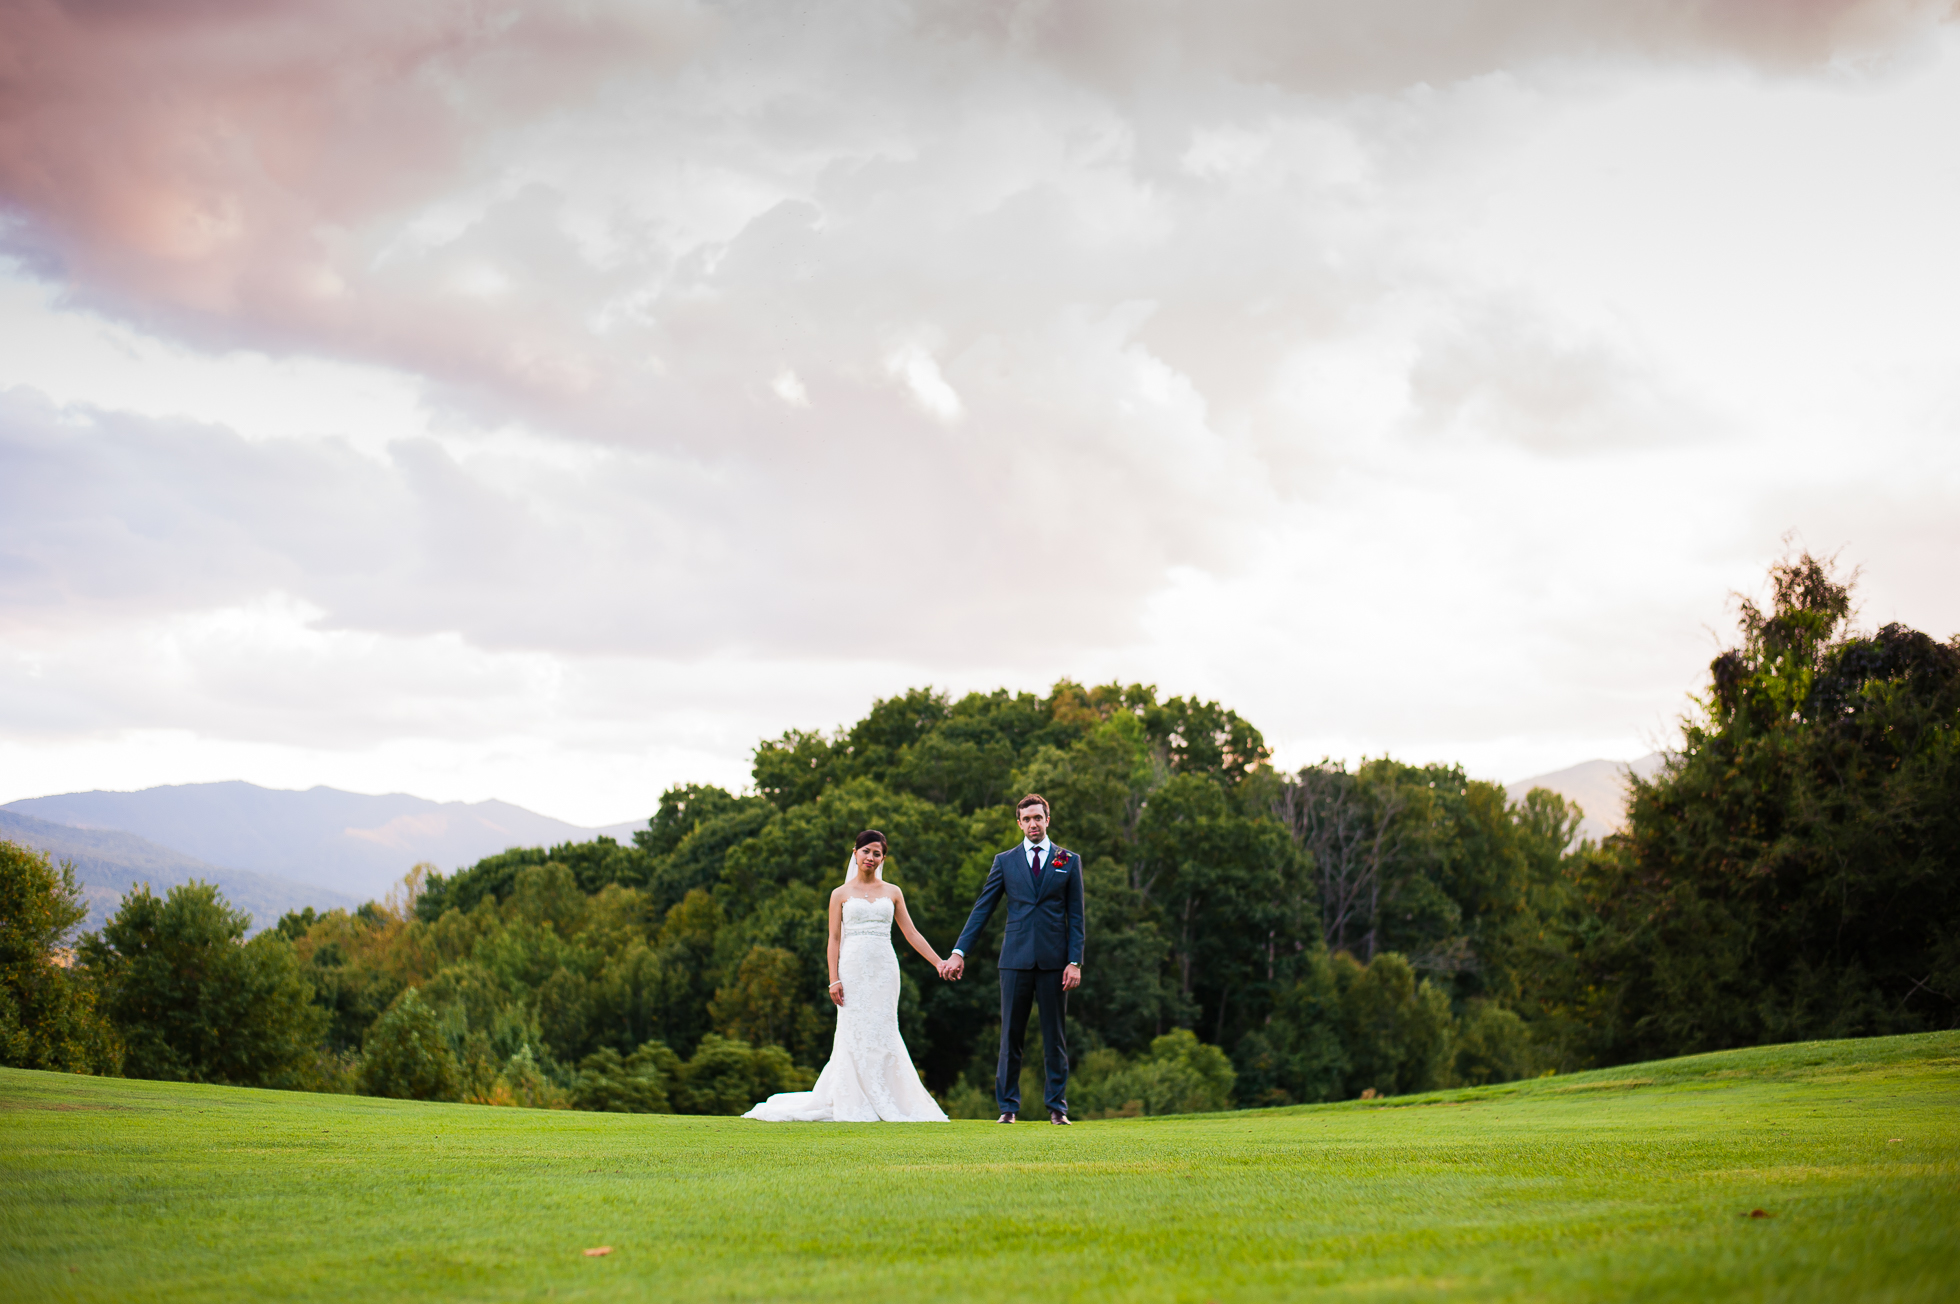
870, 1077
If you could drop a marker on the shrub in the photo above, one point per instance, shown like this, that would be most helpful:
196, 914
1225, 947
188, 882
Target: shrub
1182, 1075
966, 1100
1297, 1057
193, 1001
329, 1072
48, 1017
636, 1084
407, 1056
1492, 1045
525, 1085
726, 1077
1395, 1030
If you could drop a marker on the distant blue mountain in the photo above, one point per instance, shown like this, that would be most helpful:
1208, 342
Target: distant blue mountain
346, 842
109, 863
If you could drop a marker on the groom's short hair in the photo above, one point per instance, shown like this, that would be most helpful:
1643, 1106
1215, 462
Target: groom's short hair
1034, 799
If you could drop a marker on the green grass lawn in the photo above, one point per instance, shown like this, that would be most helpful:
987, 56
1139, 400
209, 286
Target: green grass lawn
1629, 1183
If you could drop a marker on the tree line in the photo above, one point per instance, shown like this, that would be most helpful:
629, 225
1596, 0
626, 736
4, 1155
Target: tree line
1256, 937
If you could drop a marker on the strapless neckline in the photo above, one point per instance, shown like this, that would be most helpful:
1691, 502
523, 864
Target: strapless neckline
870, 1076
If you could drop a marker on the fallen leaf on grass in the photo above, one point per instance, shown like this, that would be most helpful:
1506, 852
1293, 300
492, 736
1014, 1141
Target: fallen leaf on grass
1895, 1140
598, 1251
1753, 1213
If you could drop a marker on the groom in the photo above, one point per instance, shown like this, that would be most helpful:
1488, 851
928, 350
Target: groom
1040, 956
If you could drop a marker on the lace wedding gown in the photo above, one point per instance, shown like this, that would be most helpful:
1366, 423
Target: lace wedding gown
870, 1077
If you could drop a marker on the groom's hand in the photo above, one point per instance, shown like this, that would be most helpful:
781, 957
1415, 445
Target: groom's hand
952, 967
1071, 978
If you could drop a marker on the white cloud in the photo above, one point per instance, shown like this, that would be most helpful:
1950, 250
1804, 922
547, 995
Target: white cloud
790, 389
1411, 382
913, 365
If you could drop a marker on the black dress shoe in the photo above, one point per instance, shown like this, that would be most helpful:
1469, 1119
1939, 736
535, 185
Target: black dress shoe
1009, 1118
1058, 1117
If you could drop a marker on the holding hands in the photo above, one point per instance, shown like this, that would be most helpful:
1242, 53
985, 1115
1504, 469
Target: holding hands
953, 968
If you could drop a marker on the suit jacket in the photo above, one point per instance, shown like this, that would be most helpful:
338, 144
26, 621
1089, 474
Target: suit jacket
1044, 918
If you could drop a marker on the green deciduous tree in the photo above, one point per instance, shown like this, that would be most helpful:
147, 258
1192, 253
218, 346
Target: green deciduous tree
690, 837
1227, 884
1474, 890
407, 1055
640, 1083
1297, 1056
564, 1009
193, 1000
1220, 897
1789, 873
524, 1084
342, 954
763, 1002
1394, 1028
794, 769
1180, 1075
48, 1018
726, 1077
1491, 1044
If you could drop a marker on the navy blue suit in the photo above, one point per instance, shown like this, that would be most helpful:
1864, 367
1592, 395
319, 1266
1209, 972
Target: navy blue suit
1044, 933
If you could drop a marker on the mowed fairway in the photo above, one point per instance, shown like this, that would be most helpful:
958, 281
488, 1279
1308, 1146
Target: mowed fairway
1632, 1183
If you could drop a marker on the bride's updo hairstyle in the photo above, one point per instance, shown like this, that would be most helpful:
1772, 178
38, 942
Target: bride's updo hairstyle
870, 836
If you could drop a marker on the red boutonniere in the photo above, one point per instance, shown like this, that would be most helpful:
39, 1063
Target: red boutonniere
1061, 858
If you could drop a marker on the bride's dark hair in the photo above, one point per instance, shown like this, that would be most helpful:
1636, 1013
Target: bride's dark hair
870, 836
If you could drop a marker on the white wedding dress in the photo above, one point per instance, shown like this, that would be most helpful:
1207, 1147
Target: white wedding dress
870, 1077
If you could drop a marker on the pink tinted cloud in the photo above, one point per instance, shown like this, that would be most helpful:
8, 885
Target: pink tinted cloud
207, 156
222, 157
234, 169
1340, 47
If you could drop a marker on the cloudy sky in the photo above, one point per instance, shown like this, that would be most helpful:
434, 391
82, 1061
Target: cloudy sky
546, 400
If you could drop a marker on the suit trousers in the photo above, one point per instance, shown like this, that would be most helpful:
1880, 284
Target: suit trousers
1020, 988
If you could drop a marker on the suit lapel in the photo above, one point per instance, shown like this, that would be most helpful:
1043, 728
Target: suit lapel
1031, 883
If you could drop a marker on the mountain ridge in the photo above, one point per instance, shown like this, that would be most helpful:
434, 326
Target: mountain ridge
110, 862
1598, 787
354, 844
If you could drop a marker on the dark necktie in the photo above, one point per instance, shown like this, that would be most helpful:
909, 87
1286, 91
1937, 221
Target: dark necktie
1034, 866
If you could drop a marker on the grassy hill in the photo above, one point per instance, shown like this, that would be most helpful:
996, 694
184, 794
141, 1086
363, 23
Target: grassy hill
1628, 1183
